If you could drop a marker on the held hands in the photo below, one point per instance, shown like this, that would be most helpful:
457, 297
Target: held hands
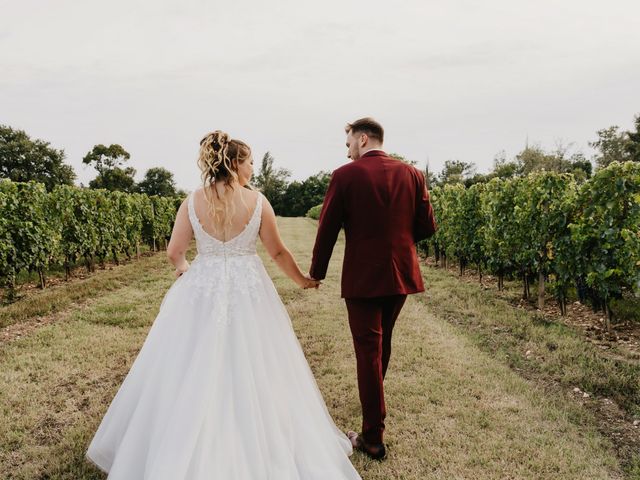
309, 282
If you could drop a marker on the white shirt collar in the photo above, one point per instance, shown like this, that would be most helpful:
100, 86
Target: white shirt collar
373, 150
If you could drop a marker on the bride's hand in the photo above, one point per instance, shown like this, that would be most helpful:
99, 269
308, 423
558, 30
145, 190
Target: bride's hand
180, 270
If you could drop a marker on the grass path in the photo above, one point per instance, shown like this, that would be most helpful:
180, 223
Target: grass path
455, 410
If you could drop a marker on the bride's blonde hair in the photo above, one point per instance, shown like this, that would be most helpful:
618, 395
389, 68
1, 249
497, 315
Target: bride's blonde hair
218, 160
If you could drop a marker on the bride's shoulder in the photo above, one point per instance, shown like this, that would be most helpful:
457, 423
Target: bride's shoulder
255, 195
266, 206
196, 192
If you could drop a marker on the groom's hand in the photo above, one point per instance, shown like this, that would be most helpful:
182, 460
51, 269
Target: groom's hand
316, 283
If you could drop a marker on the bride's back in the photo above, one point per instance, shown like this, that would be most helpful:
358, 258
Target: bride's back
241, 203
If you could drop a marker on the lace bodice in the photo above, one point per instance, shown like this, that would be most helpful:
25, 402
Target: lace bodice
223, 273
242, 244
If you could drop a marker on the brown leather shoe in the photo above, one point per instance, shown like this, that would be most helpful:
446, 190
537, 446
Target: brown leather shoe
376, 451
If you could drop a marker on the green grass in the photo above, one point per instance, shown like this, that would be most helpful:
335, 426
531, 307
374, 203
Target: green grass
556, 351
457, 408
59, 297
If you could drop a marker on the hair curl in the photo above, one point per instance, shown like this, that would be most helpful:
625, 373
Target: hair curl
218, 161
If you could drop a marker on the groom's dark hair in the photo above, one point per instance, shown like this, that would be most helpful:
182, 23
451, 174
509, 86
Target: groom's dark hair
366, 125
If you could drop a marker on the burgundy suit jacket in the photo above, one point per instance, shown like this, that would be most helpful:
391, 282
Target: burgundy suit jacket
383, 205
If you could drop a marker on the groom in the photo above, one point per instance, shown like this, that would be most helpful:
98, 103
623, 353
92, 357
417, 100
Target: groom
383, 205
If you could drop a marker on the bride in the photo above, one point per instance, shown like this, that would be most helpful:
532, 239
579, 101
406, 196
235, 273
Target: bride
220, 388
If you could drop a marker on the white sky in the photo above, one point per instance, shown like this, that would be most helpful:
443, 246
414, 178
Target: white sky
448, 80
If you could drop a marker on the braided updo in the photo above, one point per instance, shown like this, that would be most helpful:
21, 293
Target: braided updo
218, 161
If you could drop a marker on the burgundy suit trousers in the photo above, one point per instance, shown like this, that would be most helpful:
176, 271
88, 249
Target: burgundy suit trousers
371, 321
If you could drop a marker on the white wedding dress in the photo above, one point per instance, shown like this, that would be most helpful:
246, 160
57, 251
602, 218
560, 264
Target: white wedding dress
221, 389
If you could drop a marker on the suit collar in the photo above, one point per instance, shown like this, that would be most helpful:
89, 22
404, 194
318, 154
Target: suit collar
373, 153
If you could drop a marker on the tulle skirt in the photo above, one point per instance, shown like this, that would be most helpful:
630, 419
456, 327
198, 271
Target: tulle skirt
221, 390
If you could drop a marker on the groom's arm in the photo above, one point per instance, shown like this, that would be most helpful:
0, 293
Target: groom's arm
425, 222
331, 219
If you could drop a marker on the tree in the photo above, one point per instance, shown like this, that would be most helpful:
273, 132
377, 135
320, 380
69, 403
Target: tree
105, 158
535, 159
477, 179
611, 146
580, 167
299, 197
108, 161
116, 179
158, 181
456, 171
632, 147
430, 177
503, 168
272, 182
574, 163
23, 159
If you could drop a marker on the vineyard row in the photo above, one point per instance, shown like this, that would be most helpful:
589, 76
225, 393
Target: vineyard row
547, 226
40, 229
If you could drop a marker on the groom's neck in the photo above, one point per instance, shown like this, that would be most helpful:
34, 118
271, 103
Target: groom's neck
368, 148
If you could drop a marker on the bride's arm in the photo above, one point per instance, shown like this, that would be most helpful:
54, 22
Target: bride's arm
180, 239
272, 242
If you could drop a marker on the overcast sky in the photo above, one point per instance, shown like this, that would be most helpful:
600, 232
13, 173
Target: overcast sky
448, 80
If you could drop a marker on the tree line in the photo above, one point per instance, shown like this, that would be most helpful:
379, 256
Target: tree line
612, 145
23, 159
289, 198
